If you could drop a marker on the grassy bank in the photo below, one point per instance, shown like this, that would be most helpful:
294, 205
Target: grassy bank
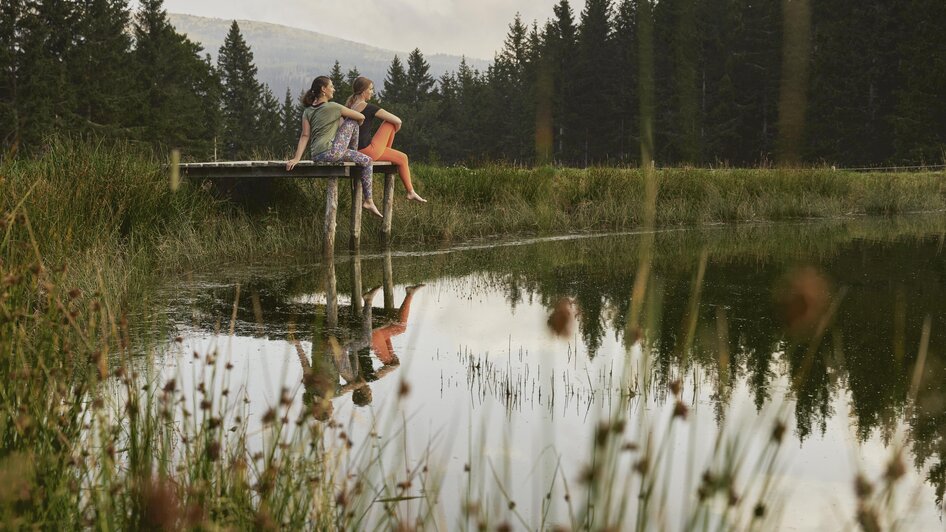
86, 227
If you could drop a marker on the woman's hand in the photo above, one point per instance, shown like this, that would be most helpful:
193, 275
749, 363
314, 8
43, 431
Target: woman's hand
291, 163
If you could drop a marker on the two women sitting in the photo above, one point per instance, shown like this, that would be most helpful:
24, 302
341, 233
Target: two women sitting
335, 133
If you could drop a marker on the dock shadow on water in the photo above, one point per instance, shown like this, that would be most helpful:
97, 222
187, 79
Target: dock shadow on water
777, 375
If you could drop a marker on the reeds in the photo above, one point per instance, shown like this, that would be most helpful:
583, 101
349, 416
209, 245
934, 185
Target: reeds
93, 438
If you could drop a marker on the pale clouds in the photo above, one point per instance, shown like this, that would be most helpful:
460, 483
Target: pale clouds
475, 28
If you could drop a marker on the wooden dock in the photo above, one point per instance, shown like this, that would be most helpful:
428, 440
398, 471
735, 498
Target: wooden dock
311, 170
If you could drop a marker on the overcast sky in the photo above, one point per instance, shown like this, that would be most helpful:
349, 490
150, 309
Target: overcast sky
475, 28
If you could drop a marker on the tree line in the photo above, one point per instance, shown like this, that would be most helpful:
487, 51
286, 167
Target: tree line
708, 75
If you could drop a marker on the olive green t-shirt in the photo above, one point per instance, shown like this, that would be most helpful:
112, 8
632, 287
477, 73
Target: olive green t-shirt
323, 124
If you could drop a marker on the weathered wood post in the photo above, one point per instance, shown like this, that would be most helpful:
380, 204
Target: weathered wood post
356, 288
388, 284
331, 294
356, 201
331, 207
387, 210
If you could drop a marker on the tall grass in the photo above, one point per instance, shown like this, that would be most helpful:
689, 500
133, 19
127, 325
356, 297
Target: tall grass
86, 227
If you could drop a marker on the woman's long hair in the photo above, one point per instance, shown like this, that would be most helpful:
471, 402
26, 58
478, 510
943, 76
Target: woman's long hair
315, 90
360, 85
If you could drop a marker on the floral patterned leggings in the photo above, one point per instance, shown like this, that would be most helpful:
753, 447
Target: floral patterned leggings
345, 148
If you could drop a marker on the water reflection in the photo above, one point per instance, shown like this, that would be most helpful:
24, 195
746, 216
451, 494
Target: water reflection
830, 313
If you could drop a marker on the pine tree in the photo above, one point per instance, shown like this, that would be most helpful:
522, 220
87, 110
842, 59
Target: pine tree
12, 14
101, 66
270, 129
241, 95
919, 117
44, 98
179, 90
342, 89
595, 63
290, 122
561, 42
686, 55
419, 82
395, 83
351, 76
625, 78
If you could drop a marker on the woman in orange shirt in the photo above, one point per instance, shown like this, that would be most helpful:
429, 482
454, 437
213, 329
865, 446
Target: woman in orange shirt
379, 147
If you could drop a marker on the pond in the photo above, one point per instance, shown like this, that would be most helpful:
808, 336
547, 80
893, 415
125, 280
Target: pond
480, 375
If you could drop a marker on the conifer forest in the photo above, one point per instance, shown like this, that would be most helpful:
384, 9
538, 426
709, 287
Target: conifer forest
566, 90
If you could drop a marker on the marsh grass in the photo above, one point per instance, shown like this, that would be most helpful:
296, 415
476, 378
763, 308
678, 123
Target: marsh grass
91, 438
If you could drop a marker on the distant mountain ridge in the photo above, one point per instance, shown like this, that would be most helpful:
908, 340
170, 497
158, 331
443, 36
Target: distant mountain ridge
291, 57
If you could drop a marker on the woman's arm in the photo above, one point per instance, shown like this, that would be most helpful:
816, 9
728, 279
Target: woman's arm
303, 142
389, 117
354, 115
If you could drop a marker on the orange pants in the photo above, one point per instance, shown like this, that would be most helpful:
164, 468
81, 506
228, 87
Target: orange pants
381, 337
380, 150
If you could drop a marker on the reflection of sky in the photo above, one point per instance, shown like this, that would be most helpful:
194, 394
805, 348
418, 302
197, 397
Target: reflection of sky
457, 322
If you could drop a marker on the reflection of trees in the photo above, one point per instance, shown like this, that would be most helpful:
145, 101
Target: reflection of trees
868, 351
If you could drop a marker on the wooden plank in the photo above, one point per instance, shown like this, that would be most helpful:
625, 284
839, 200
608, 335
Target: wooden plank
269, 169
387, 209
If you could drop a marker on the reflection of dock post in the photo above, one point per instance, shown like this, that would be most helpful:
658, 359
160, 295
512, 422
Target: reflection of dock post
356, 289
331, 295
356, 200
388, 284
331, 208
387, 211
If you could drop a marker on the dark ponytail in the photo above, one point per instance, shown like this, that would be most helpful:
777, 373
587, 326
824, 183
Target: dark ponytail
315, 90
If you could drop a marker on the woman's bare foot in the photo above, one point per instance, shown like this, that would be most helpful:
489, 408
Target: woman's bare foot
413, 196
371, 207
414, 287
369, 295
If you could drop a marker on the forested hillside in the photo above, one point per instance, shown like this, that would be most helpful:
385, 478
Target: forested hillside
853, 83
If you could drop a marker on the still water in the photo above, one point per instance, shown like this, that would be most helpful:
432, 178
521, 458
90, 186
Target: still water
501, 358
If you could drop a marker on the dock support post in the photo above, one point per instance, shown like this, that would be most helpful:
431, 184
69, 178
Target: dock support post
356, 289
331, 208
331, 295
388, 209
356, 201
388, 285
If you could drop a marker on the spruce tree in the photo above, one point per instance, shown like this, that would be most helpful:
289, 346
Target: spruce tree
561, 44
625, 79
179, 90
11, 33
44, 101
270, 120
919, 116
290, 122
419, 82
351, 76
101, 67
342, 89
593, 75
241, 95
395, 83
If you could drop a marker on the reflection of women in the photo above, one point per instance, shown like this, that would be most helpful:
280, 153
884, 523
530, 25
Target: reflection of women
562, 320
381, 337
319, 380
327, 140
351, 362
379, 147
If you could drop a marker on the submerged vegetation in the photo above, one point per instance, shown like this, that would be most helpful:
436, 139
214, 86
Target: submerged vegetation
94, 437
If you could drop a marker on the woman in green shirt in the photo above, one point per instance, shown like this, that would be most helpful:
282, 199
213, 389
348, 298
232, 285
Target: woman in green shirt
330, 139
